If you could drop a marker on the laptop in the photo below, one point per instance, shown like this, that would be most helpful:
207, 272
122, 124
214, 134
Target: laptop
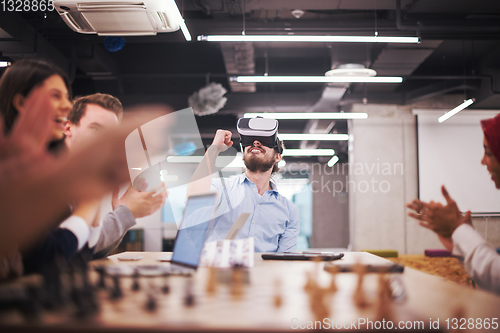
197, 219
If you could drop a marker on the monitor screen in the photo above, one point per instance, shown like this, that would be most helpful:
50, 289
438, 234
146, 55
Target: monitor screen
191, 236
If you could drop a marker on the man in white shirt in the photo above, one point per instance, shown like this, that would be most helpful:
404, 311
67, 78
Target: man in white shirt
455, 231
90, 115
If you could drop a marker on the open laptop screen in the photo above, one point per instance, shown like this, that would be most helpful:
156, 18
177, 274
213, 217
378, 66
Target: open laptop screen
191, 236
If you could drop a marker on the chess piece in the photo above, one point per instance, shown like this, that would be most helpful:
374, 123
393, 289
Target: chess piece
211, 286
333, 283
151, 303
165, 289
319, 307
54, 297
384, 306
116, 290
101, 283
135, 284
237, 283
359, 296
317, 295
30, 305
189, 299
310, 283
278, 299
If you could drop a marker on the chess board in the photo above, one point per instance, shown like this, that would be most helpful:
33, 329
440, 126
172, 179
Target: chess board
272, 296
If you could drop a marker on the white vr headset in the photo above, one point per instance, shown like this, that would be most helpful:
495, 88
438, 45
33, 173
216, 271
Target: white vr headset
264, 130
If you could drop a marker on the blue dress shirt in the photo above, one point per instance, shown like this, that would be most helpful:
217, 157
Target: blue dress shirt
274, 220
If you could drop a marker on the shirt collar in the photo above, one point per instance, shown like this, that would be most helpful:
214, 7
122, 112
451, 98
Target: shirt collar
243, 178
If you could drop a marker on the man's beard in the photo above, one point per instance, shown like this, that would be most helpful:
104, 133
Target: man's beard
254, 164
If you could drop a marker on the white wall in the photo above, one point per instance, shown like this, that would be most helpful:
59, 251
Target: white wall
384, 156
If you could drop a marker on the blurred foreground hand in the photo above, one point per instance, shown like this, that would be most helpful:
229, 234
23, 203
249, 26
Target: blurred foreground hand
35, 186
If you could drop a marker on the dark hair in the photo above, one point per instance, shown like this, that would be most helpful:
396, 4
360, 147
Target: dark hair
21, 78
103, 100
281, 145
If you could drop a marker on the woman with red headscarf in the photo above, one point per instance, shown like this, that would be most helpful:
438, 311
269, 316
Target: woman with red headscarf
455, 231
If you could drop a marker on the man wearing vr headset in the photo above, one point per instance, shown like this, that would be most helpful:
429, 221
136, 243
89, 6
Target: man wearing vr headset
274, 220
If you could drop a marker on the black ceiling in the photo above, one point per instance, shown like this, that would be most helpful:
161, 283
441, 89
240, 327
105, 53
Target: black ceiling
459, 53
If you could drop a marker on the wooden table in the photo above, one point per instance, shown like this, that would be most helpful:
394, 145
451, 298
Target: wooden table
428, 298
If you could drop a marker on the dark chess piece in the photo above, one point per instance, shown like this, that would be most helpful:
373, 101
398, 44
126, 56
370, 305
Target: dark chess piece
165, 289
82, 293
52, 293
135, 285
35, 297
101, 283
116, 290
30, 305
189, 299
151, 304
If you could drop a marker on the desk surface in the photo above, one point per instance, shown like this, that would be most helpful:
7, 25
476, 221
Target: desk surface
427, 298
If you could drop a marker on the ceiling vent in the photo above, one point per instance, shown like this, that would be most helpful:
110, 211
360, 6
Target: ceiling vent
351, 70
120, 18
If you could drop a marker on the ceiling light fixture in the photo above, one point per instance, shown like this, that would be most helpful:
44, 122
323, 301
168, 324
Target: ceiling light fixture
308, 152
185, 31
308, 115
184, 159
318, 79
307, 39
4, 64
333, 161
456, 110
178, 17
313, 137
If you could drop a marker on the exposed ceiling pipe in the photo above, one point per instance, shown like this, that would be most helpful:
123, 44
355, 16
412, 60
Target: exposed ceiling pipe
471, 25
329, 100
239, 58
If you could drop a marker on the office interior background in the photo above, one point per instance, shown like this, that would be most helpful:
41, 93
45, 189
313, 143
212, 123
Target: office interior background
358, 202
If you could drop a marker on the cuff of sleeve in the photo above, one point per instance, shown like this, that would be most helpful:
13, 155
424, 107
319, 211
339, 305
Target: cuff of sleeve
126, 217
94, 234
465, 240
79, 228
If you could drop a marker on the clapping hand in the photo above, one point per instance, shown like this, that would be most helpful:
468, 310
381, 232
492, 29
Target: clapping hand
442, 219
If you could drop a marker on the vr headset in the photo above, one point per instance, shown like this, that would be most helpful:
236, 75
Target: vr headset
260, 129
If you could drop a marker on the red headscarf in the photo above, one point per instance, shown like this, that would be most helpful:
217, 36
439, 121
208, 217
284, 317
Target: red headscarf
491, 129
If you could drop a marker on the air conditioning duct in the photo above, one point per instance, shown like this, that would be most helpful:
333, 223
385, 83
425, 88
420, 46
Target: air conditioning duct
119, 17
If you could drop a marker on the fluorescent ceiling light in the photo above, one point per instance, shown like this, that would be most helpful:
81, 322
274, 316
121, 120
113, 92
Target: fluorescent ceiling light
308, 115
318, 79
456, 110
314, 137
332, 161
178, 17
185, 31
4, 64
220, 162
308, 152
136, 169
237, 163
184, 159
307, 39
